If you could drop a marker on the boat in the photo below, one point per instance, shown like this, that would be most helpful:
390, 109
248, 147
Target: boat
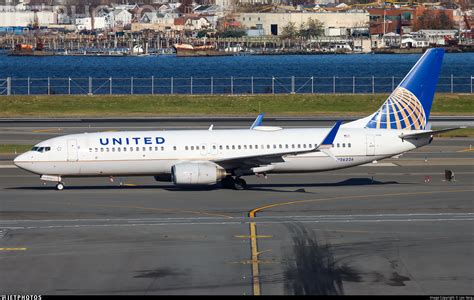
183, 50
28, 50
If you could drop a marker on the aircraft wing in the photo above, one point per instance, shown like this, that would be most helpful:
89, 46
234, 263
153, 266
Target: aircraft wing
425, 134
256, 161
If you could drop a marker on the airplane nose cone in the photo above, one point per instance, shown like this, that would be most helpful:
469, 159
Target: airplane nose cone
20, 161
17, 159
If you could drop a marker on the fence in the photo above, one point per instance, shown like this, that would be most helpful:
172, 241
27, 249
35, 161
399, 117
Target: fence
216, 85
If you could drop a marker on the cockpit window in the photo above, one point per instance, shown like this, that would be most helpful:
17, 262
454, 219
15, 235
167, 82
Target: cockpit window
41, 149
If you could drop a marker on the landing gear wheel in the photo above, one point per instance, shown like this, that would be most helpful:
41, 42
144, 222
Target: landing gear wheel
240, 184
60, 186
228, 182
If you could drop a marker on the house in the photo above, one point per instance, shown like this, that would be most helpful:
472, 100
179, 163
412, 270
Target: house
438, 36
391, 40
155, 21
207, 9
125, 6
165, 8
178, 23
196, 23
86, 23
414, 41
120, 17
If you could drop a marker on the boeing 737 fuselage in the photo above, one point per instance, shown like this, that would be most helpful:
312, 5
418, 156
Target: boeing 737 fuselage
190, 157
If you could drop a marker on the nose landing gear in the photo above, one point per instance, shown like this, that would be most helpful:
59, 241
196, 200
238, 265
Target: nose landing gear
54, 178
60, 186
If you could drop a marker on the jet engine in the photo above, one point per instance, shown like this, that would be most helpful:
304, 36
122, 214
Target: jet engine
196, 173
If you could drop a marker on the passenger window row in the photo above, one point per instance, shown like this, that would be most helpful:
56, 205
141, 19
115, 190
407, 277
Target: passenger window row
254, 147
203, 147
343, 145
128, 149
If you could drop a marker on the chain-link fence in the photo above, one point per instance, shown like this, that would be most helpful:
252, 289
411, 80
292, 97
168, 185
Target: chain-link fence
218, 85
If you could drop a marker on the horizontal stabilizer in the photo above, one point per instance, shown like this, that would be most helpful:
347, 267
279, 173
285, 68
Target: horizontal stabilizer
329, 153
427, 133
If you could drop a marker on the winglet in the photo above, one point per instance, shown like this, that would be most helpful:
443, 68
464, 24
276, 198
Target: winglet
258, 121
329, 139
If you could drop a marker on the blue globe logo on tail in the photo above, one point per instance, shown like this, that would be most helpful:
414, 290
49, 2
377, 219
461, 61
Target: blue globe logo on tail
402, 110
409, 105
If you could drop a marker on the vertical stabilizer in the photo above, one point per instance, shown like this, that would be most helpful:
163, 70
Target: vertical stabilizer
409, 105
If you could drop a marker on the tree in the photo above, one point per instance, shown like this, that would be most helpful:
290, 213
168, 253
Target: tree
430, 20
232, 33
311, 29
444, 21
289, 31
426, 20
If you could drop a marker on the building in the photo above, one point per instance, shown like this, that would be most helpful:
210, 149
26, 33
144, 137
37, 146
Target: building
86, 23
438, 36
26, 18
119, 17
196, 23
226, 5
335, 23
396, 20
414, 41
400, 20
391, 40
155, 21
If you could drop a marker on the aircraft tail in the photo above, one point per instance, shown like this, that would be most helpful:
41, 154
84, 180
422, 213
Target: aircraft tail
409, 105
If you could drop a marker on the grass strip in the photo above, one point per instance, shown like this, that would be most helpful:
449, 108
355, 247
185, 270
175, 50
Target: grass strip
206, 105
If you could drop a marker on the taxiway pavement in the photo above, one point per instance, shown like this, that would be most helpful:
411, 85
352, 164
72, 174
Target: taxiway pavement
395, 227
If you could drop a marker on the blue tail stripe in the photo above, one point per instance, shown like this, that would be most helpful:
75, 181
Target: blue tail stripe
413, 96
423, 78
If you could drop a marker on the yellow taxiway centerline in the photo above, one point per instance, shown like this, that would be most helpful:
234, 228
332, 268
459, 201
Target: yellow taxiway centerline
13, 249
253, 227
47, 130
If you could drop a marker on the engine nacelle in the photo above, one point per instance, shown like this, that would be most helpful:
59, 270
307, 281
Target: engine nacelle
196, 173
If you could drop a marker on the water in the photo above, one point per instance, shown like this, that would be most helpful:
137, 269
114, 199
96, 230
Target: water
461, 64
223, 68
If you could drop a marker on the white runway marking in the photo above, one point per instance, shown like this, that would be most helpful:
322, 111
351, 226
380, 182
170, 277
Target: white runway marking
94, 223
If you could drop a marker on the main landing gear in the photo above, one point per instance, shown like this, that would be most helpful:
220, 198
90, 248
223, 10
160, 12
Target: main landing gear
236, 183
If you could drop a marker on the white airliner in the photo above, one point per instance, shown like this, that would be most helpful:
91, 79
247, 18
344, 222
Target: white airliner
193, 157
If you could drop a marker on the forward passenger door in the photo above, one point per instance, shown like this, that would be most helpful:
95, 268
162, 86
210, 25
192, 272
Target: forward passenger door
72, 150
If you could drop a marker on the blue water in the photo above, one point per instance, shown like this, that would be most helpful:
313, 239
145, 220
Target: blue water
304, 66
461, 64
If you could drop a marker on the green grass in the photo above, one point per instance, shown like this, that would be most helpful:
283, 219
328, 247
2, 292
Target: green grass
12, 148
189, 105
464, 132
